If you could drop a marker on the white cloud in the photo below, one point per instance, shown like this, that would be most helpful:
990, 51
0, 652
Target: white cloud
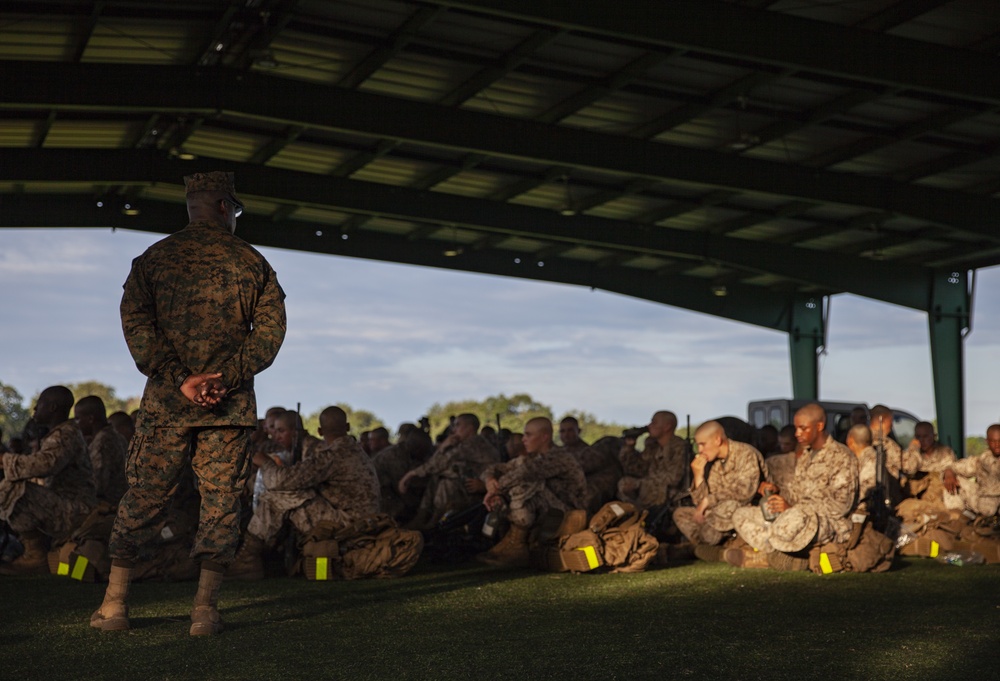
395, 339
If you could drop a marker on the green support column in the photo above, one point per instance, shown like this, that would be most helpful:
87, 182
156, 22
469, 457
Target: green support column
806, 337
949, 318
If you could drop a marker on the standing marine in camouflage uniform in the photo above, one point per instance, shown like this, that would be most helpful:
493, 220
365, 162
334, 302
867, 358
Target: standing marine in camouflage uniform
653, 477
336, 485
736, 472
814, 507
57, 505
202, 314
461, 457
525, 489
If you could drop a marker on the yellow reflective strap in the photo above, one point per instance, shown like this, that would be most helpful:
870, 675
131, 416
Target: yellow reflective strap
591, 555
79, 567
321, 568
63, 569
824, 564
934, 549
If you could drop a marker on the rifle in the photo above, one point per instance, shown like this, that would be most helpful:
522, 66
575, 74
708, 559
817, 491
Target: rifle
500, 443
683, 497
300, 431
878, 501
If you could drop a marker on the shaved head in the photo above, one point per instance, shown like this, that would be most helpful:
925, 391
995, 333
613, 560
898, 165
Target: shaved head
333, 421
711, 428
92, 406
810, 426
666, 418
861, 434
537, 437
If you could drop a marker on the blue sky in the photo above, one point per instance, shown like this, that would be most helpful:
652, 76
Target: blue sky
395, 339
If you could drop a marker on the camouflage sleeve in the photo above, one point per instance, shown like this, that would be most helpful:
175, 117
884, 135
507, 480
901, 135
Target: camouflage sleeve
301, 475
670, 463
536, 468
741, 478
56, 452
102, 449
436, 464
967, 467
832, 491
910, 461
496, 471
261, 345
478, 451
634, 463
866, 474
152, 352
699, 493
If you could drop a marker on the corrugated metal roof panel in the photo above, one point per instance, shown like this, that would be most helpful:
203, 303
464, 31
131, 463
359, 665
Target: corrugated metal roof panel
313, 58
309, 158
34, 40
18, 133
521, 95
418, 77
145, 42
224, 144
91, 134
473, 183
394, 171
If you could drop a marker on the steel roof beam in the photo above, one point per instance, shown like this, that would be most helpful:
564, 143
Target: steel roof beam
905, 286
744, 303
771, 38
183, 89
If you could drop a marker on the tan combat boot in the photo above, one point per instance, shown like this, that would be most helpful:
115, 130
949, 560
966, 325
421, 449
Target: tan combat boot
34, 560
747, 557
249, 561
205, 618
710, 553
113, 613
511, 552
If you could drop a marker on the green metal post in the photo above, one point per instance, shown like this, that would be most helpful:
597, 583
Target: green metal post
806, 337
949, 318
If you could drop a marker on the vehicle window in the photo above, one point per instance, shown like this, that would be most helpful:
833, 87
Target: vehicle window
775, 418
757, 417
903, 427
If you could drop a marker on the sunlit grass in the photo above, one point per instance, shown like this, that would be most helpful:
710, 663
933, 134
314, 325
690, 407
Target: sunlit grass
922, 620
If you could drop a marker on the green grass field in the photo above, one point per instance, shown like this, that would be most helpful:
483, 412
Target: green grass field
923, 620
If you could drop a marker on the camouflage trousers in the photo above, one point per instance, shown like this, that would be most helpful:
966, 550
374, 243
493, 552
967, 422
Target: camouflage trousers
445, 493
40, 509
697, 533
304, 509
157, 458
530, 501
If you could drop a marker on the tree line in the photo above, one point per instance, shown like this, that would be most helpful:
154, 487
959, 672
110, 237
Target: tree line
511, 412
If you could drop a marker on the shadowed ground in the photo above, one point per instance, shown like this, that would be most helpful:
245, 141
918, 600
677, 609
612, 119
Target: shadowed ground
923, 620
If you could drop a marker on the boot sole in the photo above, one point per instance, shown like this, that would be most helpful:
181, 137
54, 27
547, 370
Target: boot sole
205, 629
111, 624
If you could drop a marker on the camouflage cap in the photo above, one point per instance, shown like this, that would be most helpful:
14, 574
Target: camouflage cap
215, 181
793, 530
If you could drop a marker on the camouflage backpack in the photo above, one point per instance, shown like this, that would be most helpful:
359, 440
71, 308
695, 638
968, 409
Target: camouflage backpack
616, 538
373, 547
